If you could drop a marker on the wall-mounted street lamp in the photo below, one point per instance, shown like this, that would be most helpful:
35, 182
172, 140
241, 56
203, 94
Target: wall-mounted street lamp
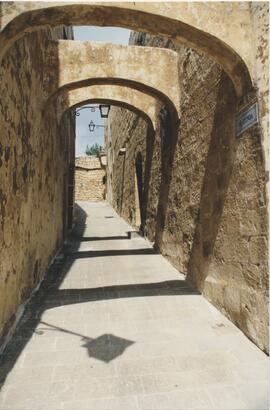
92, 126
104, 110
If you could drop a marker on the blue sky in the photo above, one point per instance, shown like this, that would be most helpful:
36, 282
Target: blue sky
113, 35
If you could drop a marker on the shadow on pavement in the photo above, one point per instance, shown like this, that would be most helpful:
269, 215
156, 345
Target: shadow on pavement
101, 238
113, 252
106, 347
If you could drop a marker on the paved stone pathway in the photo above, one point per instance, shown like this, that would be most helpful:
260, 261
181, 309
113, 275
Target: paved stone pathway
115, 326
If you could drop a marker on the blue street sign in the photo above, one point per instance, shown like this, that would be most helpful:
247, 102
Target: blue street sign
246, 119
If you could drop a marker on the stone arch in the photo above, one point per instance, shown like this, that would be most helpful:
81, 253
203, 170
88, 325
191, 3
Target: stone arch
133, 100
197, 26
83, 64
115, 103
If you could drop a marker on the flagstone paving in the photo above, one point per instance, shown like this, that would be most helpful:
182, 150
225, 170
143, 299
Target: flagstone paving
115, 326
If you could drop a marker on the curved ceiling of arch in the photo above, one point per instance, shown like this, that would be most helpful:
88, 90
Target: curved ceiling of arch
134, 100
82, 64
206, 27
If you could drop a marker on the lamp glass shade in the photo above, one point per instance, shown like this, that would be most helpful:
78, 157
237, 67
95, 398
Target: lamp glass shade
91, 126
104, 110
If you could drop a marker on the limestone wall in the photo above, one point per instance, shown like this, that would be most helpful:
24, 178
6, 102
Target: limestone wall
33, 166
89, 179
207, 213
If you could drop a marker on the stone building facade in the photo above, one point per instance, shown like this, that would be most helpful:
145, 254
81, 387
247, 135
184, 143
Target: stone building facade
200, 195
89, 179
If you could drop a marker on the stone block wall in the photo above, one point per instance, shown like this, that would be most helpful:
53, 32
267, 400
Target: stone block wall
204, 191
89, 179
33, 168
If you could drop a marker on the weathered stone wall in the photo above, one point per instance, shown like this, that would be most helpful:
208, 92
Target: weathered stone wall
260, 19
89, 179
212, 221
32, 172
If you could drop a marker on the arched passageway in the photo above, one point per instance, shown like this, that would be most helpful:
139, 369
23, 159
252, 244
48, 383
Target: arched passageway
206, 184
34, 158
75, 100
134, 100
84, 63
197, 27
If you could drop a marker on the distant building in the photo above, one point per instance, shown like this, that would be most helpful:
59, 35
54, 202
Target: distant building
89, 179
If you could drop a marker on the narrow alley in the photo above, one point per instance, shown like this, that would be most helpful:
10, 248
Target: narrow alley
134, 205
115, 326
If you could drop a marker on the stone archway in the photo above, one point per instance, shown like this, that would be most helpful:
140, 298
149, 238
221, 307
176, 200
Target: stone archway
136, 101
84, 63
220, 31
133, 100
197, 26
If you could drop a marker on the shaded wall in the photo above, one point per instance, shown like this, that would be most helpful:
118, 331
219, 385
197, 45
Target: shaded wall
32, 168
212, 222
67, 132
